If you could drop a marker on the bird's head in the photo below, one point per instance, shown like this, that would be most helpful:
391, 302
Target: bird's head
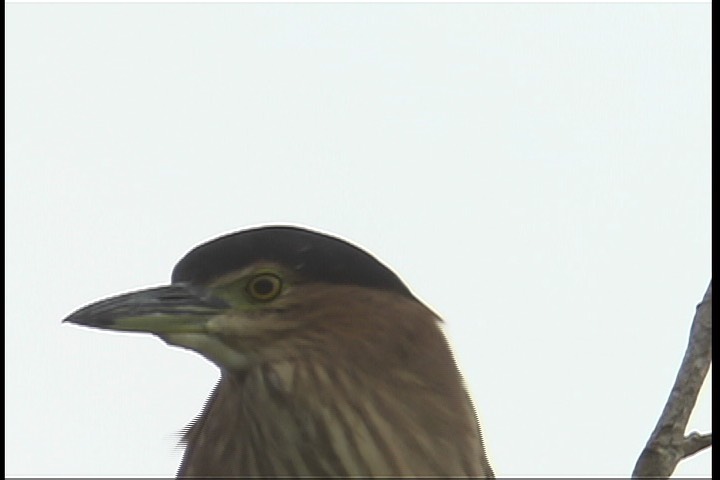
267, 294
315, 339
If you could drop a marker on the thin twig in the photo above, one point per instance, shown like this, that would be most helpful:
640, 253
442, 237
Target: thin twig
668, 444
696, 442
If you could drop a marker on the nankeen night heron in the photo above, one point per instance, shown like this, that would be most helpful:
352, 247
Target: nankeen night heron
329, 365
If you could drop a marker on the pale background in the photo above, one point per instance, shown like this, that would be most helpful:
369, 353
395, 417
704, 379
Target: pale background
538, 174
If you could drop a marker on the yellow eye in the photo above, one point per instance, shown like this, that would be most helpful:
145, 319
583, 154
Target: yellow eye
264, 287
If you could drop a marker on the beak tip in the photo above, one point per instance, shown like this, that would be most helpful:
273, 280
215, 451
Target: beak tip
72, 321
88, 320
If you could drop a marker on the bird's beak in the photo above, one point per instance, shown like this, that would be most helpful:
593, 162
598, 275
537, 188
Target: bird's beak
180, 314
167, 310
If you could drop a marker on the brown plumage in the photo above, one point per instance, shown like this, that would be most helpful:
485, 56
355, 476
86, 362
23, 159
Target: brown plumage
328, 376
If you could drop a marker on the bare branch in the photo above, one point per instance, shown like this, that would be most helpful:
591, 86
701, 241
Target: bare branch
668, 444
696, 442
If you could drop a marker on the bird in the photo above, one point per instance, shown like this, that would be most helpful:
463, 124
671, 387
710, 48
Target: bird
329, 365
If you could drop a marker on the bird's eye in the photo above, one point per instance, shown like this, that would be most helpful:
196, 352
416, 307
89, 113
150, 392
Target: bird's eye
264, 287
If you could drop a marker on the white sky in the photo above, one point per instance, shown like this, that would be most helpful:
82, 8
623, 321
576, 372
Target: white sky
538, 174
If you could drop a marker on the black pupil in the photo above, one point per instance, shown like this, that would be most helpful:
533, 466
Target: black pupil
263, 286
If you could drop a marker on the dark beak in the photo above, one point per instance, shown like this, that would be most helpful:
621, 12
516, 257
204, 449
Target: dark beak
177, 308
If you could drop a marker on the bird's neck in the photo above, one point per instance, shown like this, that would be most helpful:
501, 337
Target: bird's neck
295, 418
